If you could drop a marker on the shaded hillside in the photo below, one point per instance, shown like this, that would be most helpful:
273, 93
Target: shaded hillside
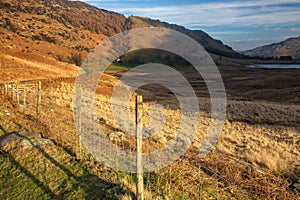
210, 44
68, 30
289, 47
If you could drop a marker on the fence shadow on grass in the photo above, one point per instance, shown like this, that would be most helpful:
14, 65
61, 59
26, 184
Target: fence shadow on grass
91, 185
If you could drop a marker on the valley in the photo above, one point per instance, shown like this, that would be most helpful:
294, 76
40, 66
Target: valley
46, 154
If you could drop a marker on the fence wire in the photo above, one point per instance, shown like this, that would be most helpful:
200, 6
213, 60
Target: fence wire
190, 177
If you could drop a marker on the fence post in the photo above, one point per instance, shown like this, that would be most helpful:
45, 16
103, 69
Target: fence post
17, 95
39, 99
24, 96
12, 91
139, 154
5, 89
79, 113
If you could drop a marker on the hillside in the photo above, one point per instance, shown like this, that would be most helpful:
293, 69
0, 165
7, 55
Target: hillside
69, 30
289, 47
41, 151
210, 44
59, 29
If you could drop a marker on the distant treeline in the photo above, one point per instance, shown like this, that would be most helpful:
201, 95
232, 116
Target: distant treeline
284, 58
152, 56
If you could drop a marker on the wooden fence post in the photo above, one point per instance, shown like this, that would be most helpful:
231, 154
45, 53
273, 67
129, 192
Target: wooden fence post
6, 88
17, 95
2, 89
39, 99
79, 113
12, 91
24, 97
139, 154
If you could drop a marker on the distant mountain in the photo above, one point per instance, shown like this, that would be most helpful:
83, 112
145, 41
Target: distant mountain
69, 30
289, 47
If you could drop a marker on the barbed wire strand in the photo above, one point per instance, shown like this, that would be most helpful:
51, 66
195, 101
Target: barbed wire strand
88, 99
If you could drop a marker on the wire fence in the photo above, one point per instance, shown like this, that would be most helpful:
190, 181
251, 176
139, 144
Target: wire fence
218, 175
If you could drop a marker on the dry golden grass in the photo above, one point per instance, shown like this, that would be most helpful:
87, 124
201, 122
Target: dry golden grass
17, 68
56, 123
269, 148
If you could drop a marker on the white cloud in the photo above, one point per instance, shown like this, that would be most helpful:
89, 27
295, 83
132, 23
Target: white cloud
273, 29
252, 43
295, 29
252, 15
236, 13
228, 32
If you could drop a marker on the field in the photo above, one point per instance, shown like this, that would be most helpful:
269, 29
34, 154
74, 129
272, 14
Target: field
257, 156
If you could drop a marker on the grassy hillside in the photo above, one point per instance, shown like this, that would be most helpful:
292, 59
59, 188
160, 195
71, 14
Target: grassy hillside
52, 170
26, 66
210, 44
255, 158
69, 30
58, 28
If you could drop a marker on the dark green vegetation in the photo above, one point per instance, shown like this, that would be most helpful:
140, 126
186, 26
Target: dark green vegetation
118, 68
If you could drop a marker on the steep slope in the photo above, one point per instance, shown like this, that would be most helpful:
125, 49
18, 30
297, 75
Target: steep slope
55, 28
210, 44
68, 30
289, 47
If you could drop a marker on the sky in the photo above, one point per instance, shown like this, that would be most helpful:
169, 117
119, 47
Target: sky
241, 24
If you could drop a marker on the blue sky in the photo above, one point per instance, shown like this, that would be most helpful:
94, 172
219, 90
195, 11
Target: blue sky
242, 24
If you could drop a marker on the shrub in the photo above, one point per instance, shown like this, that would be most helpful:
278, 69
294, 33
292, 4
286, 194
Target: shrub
76, 58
